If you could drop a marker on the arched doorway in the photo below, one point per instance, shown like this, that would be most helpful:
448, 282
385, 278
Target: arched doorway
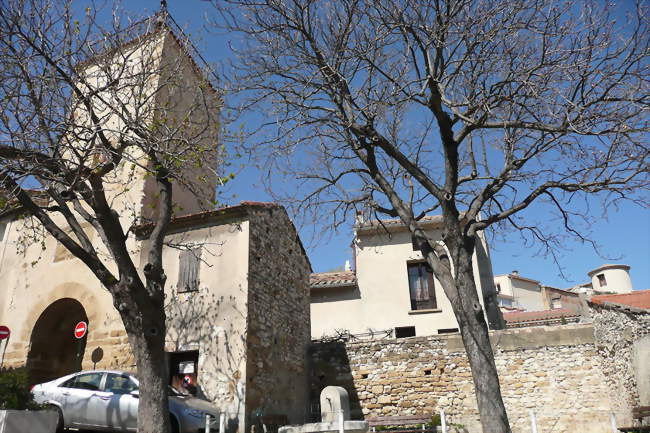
54, 351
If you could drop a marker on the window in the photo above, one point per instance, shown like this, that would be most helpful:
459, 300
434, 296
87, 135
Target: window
405, 331
556, 302
88, 381
119, 384
188, 270
447, 331
423, 295
505, 302
602, 280
498, 288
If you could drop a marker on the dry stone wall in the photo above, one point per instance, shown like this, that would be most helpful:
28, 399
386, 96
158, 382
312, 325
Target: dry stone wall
278, 317
555, 372
617, 330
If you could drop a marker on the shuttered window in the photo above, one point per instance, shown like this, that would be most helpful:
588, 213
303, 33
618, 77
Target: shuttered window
188, 269
423, 295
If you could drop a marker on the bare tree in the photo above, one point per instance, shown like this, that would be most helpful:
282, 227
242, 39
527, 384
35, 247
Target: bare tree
92, 117
471, 108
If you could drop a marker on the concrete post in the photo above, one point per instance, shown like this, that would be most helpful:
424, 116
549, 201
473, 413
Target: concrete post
612, 418
222, 423
533, 421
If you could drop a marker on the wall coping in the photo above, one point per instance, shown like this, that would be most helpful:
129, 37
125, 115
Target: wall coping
506, 339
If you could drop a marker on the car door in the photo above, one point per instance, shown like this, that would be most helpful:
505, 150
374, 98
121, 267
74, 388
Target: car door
115, 405
78, 393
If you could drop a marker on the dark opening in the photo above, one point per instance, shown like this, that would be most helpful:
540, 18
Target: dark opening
364, 376
405, 331
183, 371
54, 351
447, 331
427, 372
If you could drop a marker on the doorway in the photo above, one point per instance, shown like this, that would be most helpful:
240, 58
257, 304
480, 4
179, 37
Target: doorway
54, 351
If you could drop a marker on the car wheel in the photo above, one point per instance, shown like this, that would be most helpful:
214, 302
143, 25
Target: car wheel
174, 424
59, 420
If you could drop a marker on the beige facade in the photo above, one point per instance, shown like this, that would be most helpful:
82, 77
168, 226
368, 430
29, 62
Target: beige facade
241, 345
611, 278
378, 298
519, 292
237, 297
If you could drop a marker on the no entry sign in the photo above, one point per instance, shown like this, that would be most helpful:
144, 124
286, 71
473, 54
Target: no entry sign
4, 332
80, 330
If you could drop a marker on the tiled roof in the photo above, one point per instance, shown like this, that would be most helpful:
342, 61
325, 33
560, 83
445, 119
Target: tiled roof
333, 279
196, 218
637, 299
395, 224
538, 316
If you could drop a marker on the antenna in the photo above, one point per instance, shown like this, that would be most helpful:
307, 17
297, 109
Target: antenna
163, 5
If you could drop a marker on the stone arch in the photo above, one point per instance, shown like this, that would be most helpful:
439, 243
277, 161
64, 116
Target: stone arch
53, 350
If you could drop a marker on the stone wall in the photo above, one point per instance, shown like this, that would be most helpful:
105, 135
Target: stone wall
617, 331
556, 372
278, 328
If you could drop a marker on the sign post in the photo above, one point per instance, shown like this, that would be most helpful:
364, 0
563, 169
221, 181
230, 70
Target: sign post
4, 335
80, 331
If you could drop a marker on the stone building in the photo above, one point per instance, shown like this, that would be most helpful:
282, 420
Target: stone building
391, 291
237, 286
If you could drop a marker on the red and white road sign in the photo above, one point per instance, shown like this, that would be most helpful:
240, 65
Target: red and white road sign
4, 332
80, 330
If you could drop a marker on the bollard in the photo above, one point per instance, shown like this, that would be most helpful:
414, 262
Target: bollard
222, 423
207, 423
533, 421
443, 421
612, 419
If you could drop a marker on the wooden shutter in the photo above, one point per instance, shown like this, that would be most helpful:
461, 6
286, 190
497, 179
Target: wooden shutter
188, 269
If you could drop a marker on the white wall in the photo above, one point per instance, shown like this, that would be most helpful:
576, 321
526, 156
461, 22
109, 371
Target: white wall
382, 300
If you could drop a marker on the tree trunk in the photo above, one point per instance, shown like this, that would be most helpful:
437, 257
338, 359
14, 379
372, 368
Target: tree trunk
147, 339
474, 331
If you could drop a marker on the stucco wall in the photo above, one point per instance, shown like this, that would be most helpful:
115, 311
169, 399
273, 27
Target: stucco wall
31, 280
212, 319
527, 294
617, 278
278, 317
382, 300
556, 372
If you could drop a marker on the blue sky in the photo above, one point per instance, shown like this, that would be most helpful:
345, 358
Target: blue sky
624, 237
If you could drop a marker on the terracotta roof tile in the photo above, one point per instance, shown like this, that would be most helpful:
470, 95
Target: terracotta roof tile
538, 316
333, 279
637, 299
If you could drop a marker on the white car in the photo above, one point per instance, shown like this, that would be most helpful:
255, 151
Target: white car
108, 401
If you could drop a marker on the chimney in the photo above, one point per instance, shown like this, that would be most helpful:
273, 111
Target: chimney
515, 272
360, 220
348, 268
